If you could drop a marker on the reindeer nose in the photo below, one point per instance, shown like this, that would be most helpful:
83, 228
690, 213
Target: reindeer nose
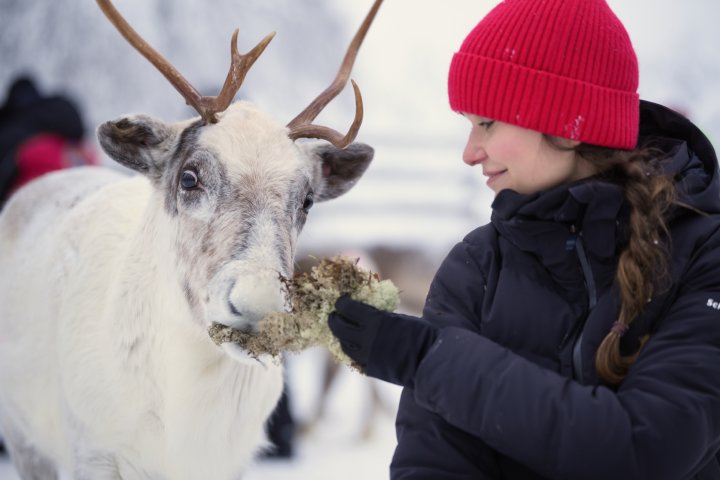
251, 298
244, 320
248, 319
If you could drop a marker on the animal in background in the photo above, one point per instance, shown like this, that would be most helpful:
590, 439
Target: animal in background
110, 282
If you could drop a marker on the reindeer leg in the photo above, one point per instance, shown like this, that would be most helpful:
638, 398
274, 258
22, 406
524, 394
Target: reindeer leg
330, 370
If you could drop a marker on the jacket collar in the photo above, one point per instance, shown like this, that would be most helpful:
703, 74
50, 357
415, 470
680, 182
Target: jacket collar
547, 225
592, 207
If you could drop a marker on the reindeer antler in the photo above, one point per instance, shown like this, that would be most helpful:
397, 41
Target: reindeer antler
207, 107
302, 126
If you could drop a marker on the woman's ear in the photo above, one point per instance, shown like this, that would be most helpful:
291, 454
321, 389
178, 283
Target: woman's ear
565, 143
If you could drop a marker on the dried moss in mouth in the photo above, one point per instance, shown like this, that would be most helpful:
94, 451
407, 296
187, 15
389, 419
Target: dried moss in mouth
313, 296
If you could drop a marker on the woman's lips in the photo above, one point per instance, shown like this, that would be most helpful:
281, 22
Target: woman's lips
492, 176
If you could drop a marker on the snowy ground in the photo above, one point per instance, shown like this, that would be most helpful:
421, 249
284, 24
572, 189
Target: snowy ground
323, 455
354, 440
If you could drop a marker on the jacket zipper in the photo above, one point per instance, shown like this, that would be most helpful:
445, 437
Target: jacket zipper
592, 301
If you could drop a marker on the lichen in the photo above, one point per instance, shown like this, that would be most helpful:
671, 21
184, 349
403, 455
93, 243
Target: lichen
313, 296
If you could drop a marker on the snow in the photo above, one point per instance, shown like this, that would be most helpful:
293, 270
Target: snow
417, 192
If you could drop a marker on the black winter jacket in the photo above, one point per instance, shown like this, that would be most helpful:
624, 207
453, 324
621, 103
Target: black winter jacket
509, 390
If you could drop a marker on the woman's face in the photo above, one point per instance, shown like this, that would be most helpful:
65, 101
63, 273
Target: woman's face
521, 159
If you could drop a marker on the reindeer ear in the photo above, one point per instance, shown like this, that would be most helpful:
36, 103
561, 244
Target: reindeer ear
138, 142
339, 169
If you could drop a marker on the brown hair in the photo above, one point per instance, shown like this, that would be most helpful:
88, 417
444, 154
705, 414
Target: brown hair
642, 266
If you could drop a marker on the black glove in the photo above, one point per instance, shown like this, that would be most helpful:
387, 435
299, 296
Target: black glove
385, 345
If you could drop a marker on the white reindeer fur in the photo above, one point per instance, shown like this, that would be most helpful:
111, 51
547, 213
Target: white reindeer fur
104, 368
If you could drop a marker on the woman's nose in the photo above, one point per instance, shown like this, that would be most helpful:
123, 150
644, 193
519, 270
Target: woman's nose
473, 153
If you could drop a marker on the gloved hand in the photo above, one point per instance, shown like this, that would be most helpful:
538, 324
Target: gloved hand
388, 346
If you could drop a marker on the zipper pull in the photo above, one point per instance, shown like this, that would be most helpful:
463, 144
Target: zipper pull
572, 239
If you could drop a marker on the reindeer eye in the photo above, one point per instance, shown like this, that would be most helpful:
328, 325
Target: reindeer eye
189, 179
309, 201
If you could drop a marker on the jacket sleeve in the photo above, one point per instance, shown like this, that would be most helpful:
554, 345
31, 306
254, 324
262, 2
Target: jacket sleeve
662, 423
428, 447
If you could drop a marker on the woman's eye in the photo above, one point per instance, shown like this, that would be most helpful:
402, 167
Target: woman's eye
308, 202
486, 124
189, 179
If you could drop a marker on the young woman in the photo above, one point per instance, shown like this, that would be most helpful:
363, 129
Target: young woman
577, 335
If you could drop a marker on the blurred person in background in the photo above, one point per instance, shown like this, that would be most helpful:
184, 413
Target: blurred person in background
38, 134
577, 335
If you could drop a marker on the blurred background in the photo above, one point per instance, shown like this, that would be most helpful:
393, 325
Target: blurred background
417, 198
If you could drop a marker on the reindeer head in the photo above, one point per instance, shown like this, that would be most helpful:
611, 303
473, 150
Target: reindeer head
233, 187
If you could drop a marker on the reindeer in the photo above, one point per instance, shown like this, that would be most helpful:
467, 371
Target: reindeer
110, 282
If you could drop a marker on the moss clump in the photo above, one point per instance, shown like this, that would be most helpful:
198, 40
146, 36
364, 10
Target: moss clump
313, 296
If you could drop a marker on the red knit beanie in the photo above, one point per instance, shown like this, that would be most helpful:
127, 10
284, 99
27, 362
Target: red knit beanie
560, 67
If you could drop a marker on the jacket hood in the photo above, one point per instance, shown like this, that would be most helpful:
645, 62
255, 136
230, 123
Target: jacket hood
691, 158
